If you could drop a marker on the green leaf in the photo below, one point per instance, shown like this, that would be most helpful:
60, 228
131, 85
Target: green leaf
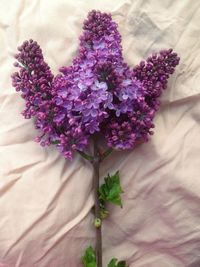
113, 263
122, 264
89, 258
111, 189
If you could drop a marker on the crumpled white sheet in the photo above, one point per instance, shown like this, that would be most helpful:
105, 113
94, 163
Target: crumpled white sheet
45, 201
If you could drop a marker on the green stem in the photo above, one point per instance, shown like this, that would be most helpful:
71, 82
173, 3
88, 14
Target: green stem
85, 156
106, 153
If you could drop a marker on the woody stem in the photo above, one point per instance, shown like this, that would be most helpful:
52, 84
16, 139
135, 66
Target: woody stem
96, 164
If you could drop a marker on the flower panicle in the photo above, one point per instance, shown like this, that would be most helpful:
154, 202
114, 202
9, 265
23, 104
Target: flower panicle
34, 78
98, 92
155, 71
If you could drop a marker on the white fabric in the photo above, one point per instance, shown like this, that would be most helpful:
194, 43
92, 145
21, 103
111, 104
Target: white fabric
45, 201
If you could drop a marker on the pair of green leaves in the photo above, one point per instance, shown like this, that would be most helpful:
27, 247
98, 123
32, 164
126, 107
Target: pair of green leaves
110, 190
89, 260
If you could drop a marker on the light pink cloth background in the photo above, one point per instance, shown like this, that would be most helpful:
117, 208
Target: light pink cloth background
45, 201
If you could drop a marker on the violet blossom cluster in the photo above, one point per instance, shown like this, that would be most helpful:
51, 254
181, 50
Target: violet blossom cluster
99, 92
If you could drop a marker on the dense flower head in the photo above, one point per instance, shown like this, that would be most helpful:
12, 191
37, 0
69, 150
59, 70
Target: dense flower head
34, 80
155, 71
99, 92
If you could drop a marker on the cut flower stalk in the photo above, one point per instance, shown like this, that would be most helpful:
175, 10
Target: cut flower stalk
98, 93
96, 164
109, 191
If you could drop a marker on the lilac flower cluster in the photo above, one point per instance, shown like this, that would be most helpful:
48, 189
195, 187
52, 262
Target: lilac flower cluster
153, 75
97, 93
34, 79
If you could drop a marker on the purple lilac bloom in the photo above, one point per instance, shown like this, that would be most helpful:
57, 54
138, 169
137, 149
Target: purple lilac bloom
34, 80
99, 92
